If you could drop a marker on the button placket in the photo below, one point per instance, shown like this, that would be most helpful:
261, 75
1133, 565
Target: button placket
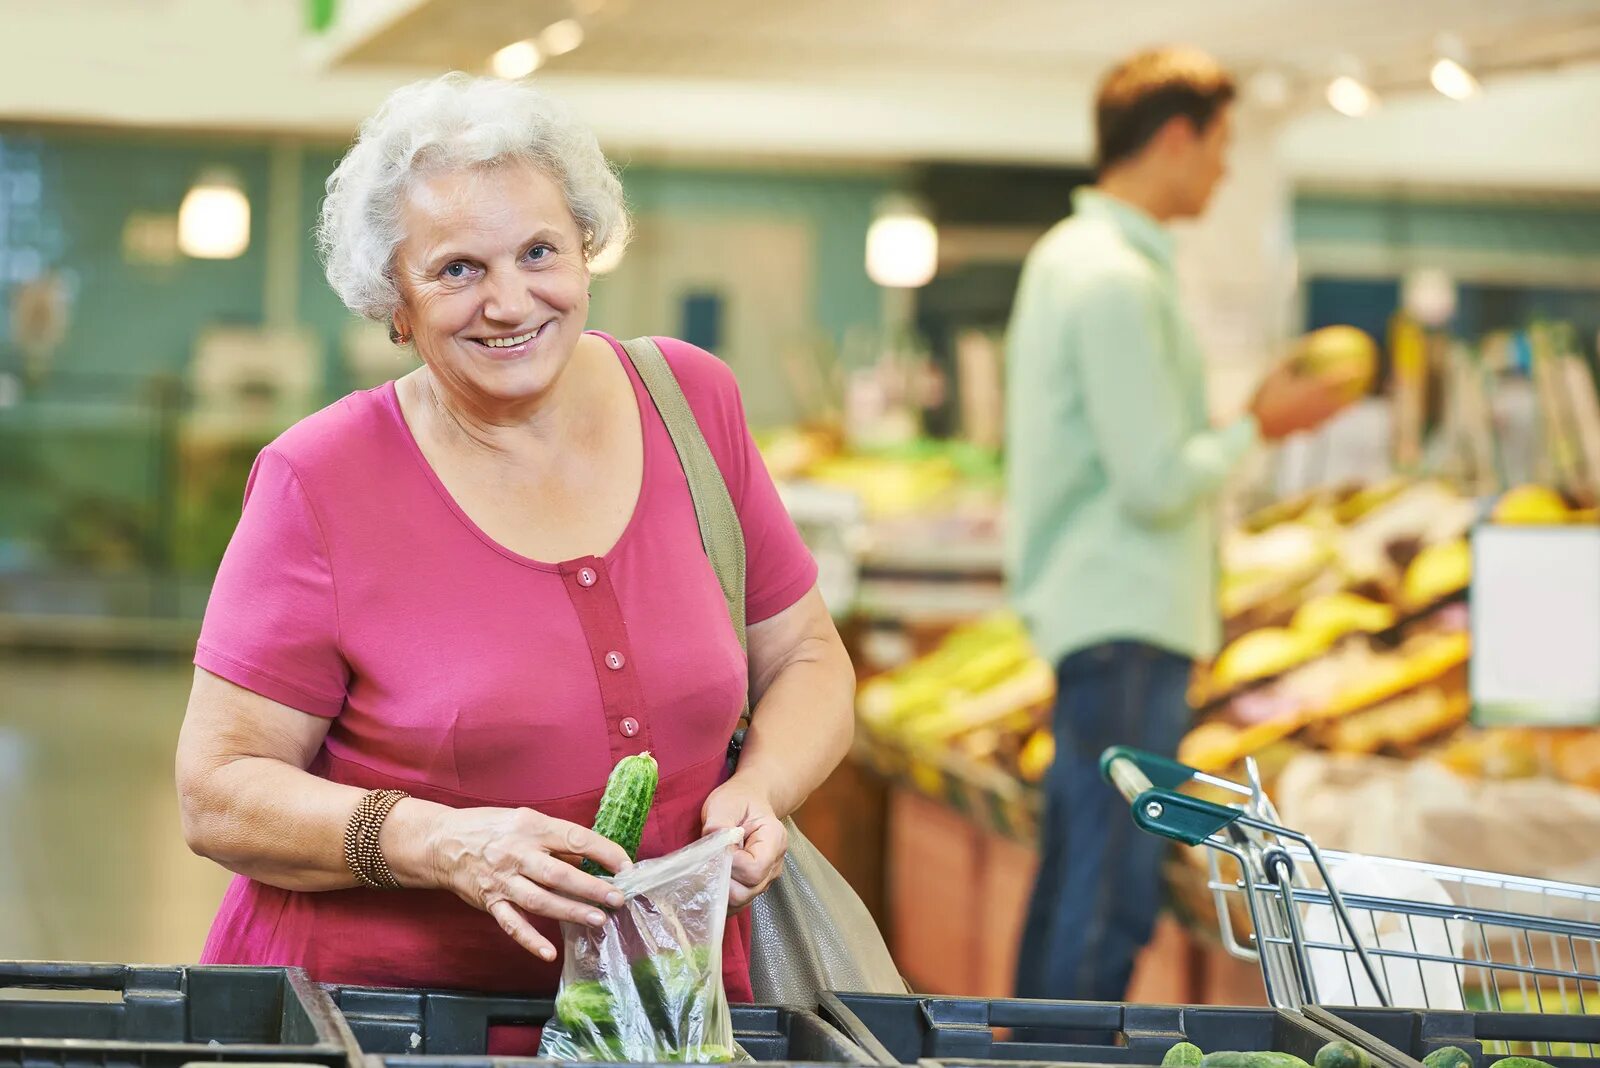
600, 617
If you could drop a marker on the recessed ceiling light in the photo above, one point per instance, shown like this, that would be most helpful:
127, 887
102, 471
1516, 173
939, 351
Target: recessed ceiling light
517, 60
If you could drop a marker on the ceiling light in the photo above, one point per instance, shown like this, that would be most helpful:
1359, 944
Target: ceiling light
1429, 295
214, 218
1269, 88
1452, 79
902, 247
516, 60
1350, 96
1452, 73
559, 38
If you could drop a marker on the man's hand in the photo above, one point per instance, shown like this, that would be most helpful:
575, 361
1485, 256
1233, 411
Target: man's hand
1290, 400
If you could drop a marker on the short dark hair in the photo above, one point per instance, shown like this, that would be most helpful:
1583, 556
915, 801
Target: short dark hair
1142, 92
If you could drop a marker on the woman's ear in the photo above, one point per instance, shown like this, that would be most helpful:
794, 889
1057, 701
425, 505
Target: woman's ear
400, 327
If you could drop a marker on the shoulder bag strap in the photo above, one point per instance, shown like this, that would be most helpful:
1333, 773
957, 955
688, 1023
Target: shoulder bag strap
720, 532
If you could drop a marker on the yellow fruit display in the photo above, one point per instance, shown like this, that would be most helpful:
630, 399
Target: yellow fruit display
1437, 571
1263, 652
1210, 746
1531, 505
1038, 753
979, 675
1333, 615
1400, 721
1577, 758
888, 487
790, 453
1344, 351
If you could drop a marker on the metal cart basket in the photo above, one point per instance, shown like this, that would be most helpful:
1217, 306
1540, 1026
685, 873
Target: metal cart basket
1333, 928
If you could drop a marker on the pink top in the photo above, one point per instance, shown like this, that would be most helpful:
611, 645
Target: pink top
356, 588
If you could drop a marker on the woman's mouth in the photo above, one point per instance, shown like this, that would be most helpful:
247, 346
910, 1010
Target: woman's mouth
508, 348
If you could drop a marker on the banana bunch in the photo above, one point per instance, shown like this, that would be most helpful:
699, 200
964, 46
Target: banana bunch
981, 673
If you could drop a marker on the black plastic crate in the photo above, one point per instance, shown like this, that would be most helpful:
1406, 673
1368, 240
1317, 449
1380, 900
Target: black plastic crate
446, 1029
69, 1015
1564, 1040
971, 1032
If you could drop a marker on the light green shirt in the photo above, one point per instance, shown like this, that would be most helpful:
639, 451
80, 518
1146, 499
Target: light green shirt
1111, 461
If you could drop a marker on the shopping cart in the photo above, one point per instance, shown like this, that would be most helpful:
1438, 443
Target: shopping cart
1333, 928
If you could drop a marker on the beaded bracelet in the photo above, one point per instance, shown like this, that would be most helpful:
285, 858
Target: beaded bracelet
361, 853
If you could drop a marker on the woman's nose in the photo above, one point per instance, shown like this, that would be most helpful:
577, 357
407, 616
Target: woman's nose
510, 298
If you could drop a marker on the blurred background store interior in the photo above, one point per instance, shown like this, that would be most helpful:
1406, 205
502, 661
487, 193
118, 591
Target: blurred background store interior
148, 352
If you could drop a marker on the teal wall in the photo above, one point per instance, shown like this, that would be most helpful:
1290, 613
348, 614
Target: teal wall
102, 509
838, 207
129, 321
1401, 223
126, 321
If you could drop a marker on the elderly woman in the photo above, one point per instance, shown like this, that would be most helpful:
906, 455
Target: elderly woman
477, 587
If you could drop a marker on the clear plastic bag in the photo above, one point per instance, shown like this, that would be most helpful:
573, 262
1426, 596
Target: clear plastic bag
647, 986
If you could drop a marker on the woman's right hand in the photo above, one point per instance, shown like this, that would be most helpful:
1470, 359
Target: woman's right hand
516, 862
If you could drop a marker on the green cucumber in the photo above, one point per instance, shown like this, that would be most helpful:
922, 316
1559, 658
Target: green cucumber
1234, 1059
673, 987
587, 1004
626, 803
1183, 1055
1341, 1054
588, 1013
1448, 1057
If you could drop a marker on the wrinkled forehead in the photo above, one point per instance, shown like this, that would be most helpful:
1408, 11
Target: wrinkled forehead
512, 198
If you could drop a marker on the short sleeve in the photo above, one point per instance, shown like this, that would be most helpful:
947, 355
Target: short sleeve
779, 569
271, 625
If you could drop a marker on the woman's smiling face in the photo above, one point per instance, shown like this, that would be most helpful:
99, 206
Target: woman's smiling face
493, 280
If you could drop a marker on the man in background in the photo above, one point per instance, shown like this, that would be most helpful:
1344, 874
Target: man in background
1113, 472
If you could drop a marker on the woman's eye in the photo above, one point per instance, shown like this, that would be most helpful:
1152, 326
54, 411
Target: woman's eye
540, 252
456, 270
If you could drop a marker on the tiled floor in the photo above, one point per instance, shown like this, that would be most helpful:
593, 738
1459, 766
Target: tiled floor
92, 863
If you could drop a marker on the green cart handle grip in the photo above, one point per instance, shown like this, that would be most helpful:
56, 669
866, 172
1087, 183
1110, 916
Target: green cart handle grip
1149, 783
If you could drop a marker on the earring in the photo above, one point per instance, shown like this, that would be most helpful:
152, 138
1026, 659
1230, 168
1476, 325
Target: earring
397, 337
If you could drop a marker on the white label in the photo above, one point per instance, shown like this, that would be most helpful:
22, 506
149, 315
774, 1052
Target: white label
1536, 625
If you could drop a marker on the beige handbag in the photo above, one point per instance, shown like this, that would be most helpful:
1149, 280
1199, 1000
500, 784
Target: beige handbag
810, 932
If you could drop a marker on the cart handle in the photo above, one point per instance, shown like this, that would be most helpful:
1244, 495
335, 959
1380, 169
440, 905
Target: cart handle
1149, 783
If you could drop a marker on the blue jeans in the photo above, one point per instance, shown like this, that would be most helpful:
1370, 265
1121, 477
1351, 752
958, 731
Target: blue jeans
1099, 885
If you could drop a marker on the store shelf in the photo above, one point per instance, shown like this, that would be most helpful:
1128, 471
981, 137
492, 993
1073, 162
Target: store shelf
927, 602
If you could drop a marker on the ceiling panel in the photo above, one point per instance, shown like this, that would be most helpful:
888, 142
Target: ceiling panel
862, 38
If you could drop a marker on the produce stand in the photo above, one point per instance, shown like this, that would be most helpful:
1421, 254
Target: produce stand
1346, 634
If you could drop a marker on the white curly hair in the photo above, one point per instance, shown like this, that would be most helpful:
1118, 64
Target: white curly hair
442, 124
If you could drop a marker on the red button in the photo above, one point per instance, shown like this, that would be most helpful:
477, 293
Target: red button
587, 577
630, 727
615, 660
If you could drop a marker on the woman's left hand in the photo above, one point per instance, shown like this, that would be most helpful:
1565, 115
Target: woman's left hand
759, 860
